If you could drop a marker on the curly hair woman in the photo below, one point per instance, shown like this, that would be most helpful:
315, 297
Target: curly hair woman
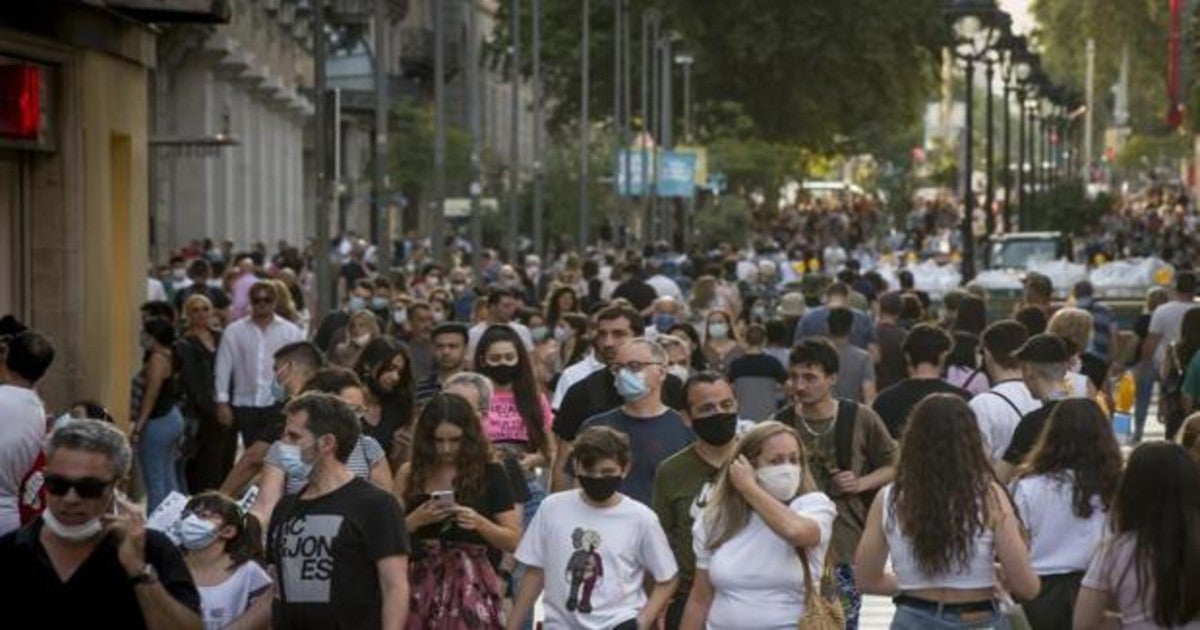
766, 513
459, 507
1149, 570
1064, 491
943, 520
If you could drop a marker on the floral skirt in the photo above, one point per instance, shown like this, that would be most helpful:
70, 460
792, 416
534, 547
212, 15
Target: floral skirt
454, 587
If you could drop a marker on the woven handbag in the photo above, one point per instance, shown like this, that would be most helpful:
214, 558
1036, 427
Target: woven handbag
819, 613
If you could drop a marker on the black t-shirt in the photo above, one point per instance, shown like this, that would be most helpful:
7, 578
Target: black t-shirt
891, 368
639, 294
896, 402
1027, 432
325, 551
495, 499
1095, 368
98, 591
597, 394
757, 365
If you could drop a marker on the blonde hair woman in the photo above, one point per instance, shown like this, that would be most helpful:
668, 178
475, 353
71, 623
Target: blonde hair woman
360, 330
764, 509
285, 307
1074, 325
214, 445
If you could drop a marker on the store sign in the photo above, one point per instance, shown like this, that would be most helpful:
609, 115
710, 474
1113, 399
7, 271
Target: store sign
676, 173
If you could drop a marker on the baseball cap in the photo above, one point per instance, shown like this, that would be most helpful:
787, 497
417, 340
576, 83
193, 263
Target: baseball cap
1043, 348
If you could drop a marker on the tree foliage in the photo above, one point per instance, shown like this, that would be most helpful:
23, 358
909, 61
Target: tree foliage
806, 73
1064, 26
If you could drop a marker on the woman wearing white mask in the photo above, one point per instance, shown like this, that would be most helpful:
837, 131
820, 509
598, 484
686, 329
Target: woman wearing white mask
765, 512
223, 551
362, 328
721, 344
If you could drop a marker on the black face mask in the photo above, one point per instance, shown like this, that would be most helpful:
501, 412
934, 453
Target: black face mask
599, 489
501, 374
717, 429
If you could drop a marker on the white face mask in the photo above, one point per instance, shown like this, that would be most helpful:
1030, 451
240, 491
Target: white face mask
71, 533
781, 481
196, 533
362, 340
680, 372
718, 331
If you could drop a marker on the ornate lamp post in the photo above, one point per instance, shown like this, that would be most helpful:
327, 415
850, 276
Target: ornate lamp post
976, 28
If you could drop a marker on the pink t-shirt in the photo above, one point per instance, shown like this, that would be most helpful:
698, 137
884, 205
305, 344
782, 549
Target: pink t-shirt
504, 423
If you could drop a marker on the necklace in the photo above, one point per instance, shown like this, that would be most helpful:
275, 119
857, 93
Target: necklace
815, 433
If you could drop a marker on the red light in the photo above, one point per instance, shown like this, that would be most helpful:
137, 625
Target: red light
20, 101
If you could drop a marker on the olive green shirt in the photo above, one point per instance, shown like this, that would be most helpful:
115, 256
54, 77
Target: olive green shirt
682, 485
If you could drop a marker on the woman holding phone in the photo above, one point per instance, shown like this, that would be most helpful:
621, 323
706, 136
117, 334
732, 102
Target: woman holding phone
459, 512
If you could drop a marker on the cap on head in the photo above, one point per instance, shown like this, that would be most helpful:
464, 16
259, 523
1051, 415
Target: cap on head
1043, 348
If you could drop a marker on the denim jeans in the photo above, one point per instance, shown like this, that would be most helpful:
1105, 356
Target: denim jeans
158, 452
851, 598
908, 618
1141, 407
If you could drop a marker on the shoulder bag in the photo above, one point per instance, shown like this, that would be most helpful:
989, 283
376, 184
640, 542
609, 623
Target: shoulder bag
819, 613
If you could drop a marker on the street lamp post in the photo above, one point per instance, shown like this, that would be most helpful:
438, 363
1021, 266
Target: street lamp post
476, 186
1009, 46
650, 20
976, 29
584, 141
667, 124
514, 194
685, 60
989, 195
539, 164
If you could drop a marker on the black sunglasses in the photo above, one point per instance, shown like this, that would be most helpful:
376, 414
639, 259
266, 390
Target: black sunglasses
86, 488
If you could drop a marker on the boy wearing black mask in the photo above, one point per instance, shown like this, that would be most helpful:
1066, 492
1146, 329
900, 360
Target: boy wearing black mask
683, 481
582, 544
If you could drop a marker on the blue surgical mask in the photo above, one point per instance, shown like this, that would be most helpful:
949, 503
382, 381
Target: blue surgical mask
196, 533
278, 391
664, 321
357, 303
293, 462
379, 304
561, 333
632, 385
718, 331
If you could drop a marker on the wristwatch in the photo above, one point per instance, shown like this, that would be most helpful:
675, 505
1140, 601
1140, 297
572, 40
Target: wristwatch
146, 576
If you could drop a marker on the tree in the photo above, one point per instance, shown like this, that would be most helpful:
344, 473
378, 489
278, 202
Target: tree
805, 73
410, 149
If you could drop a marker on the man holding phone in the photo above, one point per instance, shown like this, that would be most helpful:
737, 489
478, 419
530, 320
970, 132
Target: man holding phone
90, 551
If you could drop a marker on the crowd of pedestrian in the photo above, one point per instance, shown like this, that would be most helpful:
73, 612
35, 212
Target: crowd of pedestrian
630, 438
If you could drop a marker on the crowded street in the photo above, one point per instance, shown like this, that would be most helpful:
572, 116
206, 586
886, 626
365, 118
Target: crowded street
600, 314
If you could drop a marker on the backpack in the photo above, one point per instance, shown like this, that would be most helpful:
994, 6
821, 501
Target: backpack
843, 437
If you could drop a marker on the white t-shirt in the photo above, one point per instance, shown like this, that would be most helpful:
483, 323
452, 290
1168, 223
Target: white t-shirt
1166, 322
997, 418
24, 429
1061, 541
771, 595
595, 559
223, 603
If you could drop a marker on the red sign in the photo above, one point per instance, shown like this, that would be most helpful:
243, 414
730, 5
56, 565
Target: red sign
20, 101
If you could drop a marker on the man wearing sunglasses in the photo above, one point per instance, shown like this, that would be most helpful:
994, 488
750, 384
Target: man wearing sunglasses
89, 556
27, 356
245, 371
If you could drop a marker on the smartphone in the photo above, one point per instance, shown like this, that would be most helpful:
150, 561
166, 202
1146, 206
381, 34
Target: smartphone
442, 498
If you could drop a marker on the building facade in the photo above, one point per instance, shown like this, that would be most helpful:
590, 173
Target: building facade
74, 157
242, 80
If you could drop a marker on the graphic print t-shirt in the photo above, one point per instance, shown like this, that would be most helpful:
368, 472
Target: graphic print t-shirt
595, 559
503, 422
325, 551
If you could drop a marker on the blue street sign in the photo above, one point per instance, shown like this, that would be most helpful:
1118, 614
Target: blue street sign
678, 172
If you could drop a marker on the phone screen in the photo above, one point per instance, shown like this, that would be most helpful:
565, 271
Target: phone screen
443, 498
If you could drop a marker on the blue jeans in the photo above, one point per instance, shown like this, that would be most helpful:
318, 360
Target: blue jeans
908, 618
158, 454
851, 598
1144, 386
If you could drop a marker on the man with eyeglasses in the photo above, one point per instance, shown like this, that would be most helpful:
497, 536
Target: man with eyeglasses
245, 394
596, 393
655, 430
27, 356
684, 481
90, 553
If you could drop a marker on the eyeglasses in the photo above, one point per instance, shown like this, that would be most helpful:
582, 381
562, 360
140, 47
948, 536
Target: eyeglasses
632, 366
86, 488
